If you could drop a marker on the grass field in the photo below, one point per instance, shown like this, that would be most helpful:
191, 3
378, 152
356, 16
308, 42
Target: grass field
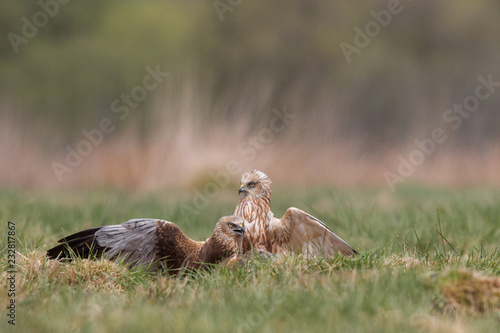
428, 262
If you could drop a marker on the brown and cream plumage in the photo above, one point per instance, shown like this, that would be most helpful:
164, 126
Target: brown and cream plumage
154, 243
297, 231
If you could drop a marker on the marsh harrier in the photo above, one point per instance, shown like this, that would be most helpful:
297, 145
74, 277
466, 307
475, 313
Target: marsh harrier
297, 231
154, 242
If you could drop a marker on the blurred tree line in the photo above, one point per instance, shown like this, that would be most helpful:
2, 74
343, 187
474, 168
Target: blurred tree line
395, 88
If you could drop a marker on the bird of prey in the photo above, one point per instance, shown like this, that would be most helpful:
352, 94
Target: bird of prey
154, 243
296, 232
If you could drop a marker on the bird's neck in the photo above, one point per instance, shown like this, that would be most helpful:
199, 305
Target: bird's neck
254, 208
213, 251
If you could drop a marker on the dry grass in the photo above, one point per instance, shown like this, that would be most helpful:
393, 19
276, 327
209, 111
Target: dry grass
190, 135
181, 150
36, 270
468, 291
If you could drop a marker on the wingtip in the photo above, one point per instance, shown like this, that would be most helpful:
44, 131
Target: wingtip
55, 253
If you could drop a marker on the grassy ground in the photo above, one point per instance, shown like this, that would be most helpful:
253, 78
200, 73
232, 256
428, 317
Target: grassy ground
429, 261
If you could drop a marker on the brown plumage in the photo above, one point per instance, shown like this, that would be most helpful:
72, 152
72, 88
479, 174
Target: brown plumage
297, 231
154, 243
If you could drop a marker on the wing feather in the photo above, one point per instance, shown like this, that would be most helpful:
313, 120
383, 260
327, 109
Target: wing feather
300, 232
133, 241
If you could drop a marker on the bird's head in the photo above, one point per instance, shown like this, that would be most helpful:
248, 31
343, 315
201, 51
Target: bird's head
232, 226
226, 240
255, 184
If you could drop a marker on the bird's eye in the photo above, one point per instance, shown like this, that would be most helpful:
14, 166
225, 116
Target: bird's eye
251, 184
230, 225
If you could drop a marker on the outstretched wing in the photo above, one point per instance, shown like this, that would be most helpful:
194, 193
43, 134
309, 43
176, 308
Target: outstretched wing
300, 232
133, 241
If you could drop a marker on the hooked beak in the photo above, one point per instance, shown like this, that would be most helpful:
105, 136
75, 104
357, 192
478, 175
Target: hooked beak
240, 230
241, 189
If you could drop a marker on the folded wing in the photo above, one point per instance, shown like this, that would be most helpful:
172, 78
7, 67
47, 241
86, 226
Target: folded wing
300, 232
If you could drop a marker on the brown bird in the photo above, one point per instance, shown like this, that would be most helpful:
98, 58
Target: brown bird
154, 243
297, 231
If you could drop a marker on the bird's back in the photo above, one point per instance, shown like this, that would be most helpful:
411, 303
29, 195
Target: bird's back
175, 248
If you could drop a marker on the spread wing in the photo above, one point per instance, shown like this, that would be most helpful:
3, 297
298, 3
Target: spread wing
134, 242
300, 232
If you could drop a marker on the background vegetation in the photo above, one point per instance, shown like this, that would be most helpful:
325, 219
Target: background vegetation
229, 71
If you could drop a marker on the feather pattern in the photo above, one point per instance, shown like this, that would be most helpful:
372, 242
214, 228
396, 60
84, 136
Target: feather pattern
297, 231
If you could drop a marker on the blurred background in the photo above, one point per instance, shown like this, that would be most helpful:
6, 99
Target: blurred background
311, 92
